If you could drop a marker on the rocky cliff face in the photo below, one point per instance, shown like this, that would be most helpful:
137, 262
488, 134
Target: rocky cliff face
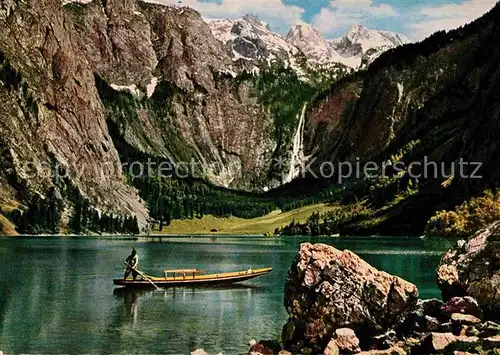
51, 112
154, 73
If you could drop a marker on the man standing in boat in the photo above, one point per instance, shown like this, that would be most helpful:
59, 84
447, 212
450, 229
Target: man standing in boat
132, 263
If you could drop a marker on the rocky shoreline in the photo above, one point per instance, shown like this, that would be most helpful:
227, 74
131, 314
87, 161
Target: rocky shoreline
339, 304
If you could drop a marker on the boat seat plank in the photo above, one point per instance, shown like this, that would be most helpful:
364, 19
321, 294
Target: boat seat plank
183, 271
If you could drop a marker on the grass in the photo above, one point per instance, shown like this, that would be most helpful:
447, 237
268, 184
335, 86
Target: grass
239, 226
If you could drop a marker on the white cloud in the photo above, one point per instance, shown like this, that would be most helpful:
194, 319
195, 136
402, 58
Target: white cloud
278, 15
344, 13
363, 7
327, 21
448, 17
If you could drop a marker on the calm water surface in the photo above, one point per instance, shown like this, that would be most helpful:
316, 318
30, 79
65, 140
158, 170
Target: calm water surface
57, 296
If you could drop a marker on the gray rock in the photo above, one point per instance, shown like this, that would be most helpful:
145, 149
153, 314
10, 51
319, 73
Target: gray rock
436, 342
464, 305
264, 348
464, 319
473, 269
424, 317
431, 324
432, 307
446, 328
464, 343
488, 329
384, 341
347, 341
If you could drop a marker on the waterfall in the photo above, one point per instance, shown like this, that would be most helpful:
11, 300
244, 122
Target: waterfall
297, 156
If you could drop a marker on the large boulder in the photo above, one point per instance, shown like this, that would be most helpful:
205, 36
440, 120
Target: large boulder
328, 289
472, 268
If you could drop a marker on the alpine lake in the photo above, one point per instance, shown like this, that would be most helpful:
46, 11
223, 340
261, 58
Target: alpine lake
57, 293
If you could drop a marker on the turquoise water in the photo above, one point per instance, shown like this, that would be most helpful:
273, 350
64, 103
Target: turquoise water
57, 296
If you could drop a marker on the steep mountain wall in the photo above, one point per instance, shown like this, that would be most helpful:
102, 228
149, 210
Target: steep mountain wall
216, 119
154, 73
435, 100
51, 112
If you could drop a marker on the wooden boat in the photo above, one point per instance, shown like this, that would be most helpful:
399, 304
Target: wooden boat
190, 277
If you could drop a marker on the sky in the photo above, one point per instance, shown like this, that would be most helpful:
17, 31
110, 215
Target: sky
416, 19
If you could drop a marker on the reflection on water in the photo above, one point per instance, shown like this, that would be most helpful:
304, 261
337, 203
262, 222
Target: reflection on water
131, 297
130, 300
57, 296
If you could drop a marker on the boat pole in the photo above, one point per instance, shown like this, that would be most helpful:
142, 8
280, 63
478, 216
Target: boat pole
143, 276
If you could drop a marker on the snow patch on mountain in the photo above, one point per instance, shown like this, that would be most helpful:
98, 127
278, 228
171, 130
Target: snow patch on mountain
359, 46
65, 2
252, 40
151, 87
133, 89
370, 39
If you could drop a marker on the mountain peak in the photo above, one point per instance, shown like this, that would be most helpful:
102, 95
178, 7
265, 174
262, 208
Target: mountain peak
355, 28
255, 21
367, 37
301, 31
251, 38
302, 27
